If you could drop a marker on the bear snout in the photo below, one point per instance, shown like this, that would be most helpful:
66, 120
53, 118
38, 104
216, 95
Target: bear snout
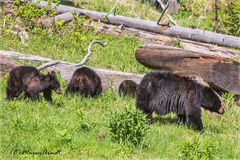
58, 90
221, 110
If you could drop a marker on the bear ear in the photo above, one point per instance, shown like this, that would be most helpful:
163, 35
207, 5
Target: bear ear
53, 73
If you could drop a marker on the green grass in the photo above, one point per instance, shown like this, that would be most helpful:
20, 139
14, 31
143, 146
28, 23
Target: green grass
72, 46
124, 7
147, 11
73, 124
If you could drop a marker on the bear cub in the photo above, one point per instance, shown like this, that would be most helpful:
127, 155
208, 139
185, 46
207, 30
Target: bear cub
29, 80
128, 88
85, 82
164, 92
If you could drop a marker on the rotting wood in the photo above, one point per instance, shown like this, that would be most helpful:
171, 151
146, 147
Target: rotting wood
220, 73
186, 44
6, 64
176, 31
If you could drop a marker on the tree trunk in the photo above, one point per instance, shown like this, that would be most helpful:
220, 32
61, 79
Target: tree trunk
220, 73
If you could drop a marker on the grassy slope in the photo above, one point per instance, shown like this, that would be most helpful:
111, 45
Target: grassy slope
72, 124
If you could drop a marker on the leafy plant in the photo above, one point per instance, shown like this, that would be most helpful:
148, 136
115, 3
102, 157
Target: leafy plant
178, 43
30, 14
64, 136
196, 149
128, 126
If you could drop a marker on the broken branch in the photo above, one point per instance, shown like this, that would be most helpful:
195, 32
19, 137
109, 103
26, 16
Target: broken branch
90, 52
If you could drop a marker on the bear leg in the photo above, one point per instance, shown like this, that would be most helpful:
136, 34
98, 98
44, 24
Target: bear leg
149, 115
182, 118
12, 93
98, 90
150, 118
32, 95
195, 122
47, 94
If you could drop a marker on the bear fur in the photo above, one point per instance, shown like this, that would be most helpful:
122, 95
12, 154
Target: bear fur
85, 82
164, 92
29, 80
128, 88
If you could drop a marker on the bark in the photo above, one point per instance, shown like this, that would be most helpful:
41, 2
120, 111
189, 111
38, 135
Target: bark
220, 73
6, 64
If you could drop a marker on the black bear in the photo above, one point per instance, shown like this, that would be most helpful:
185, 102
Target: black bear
85, 82
165, 92
32, 82
128, 88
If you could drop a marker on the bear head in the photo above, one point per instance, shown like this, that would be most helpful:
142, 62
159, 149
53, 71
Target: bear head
54, 82
210, 100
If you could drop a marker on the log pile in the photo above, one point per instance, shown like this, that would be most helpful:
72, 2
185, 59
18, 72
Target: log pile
175, 31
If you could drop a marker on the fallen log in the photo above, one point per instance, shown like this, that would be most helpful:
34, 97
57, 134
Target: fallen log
176, 31
150, 37
189, 45
220, 73
108, 77
6, 64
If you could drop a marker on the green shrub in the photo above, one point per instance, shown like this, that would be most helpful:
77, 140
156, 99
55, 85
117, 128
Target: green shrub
29, 13
128, 126
196, 149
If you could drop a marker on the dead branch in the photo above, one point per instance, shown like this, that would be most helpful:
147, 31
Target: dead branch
169, 17
111, 11
90, 52
163, 12
48, 64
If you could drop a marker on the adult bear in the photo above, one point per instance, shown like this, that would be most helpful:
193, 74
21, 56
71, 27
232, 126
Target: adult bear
164, 92
32, 82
